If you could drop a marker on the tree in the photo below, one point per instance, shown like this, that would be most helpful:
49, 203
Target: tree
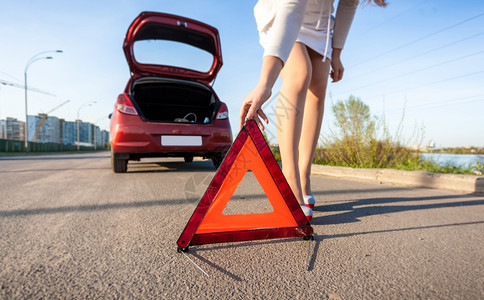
356, 136
355, 141
354, 120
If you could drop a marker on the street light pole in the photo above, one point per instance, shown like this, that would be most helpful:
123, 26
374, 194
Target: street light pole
32, 60
77, 121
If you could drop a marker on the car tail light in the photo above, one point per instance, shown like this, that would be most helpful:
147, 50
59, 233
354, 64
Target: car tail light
223, 112
124, 105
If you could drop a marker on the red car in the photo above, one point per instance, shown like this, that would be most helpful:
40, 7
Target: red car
169, 109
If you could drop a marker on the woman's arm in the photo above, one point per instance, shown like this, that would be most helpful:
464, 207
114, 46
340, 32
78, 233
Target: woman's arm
252, 103
281, 37
344, 17
342, 23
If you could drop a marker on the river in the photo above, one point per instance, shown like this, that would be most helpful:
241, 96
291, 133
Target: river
464, 160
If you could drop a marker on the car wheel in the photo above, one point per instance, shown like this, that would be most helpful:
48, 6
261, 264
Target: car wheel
119, 165
188, 159
217, 159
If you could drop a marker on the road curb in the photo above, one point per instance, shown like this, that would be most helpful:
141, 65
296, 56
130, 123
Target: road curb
454, 182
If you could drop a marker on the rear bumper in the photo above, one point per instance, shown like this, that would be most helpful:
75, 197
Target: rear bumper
133, 142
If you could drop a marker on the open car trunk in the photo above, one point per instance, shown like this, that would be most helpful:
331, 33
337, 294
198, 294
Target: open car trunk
172, 100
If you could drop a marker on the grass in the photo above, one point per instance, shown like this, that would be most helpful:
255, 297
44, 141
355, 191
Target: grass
429, 166
411, 163
361, 140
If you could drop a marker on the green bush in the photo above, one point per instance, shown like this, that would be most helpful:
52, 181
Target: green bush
361, 140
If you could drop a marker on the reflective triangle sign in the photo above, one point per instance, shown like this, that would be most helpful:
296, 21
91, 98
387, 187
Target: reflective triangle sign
209, 224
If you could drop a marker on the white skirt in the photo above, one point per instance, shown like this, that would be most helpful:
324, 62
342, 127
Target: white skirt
318, 23
316, 29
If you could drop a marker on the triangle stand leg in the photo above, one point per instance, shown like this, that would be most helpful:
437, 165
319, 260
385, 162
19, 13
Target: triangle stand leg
198, 267
311, 238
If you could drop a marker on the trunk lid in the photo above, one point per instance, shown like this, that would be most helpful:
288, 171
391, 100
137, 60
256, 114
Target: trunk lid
151, 33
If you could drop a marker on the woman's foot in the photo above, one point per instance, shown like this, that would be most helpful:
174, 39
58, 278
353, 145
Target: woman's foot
309, 201
307, 212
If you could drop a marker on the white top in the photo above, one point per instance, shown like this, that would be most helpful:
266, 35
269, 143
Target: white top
282, 22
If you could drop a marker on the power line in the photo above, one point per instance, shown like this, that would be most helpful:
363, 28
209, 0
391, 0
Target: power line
445, 80
416, 56
439, 104
418, 40
415, 71
359, 35
21, 86
427, 84
8, 75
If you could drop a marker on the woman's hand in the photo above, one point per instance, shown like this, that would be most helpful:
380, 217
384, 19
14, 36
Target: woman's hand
337, 69
252, 106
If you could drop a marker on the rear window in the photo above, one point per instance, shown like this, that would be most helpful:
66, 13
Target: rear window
172, 53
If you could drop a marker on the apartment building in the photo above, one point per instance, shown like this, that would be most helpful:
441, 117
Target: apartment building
50, 129
14, 129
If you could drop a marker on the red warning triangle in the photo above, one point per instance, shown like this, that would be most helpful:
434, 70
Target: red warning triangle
209, 225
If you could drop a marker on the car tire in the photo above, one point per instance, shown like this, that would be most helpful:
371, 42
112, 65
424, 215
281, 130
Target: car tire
188, 159
217, 159
119, 165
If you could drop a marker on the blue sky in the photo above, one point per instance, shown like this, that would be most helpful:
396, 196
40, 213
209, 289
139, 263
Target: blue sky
417, 60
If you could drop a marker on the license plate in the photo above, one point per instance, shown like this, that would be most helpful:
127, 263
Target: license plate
181, 140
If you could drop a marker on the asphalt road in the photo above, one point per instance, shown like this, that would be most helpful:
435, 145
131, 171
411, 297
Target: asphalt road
70, 228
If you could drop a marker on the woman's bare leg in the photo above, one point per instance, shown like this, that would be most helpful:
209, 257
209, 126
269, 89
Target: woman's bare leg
313, 118
296, 76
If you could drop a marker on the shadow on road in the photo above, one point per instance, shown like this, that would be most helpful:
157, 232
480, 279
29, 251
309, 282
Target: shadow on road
73, 156
170, 166
87, 208
398, 229
318, 240
215, 266
53, 170
352, 211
